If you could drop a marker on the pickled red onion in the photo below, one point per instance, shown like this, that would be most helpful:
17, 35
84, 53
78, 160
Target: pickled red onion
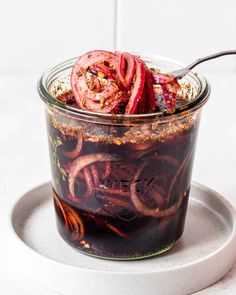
137, 90
76, 151
125, 78
83, 161
119, 82
144, 209
71, 219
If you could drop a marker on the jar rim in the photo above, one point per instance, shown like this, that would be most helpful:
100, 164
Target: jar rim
193, 105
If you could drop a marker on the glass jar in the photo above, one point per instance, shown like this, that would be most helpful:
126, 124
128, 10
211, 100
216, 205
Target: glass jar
121, 182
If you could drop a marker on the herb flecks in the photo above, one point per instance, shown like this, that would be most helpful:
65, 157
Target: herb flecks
55, 159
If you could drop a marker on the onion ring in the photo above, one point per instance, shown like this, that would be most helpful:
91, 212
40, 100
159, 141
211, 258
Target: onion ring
181, 169
137, 90
145, 210
76, 151
107, 171
88, 179
120, 82
59, 204
95, 175
71, 219
83, 161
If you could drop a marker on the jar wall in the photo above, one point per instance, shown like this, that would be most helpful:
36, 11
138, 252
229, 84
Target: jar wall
121, 190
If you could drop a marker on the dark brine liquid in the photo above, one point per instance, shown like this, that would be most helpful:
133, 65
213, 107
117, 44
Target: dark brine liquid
121, 200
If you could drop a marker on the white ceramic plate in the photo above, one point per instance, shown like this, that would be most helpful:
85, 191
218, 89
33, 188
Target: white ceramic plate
205, 253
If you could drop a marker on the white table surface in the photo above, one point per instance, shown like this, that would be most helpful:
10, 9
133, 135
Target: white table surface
24, 161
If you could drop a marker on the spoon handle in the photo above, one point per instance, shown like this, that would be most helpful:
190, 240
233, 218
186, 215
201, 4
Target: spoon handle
180, 73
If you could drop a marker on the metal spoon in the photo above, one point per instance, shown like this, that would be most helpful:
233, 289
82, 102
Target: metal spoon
178, 74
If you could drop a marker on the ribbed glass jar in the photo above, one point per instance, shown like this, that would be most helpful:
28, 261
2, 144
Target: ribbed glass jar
121, 182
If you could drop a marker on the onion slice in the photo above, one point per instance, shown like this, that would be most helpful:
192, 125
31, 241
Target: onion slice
83, 90
113, 191
75, 222
76, 151
145, 210
128, 59
150, 96
86, 160
107, 171
60, 206
180, 170
162, 79
88, 179
95, 175
116, 230
120, 82
170, 87
137, 90
78, 78
71, 219
121, 65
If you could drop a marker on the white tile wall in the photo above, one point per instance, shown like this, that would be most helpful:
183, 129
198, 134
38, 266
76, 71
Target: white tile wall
37, 34
182, 29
